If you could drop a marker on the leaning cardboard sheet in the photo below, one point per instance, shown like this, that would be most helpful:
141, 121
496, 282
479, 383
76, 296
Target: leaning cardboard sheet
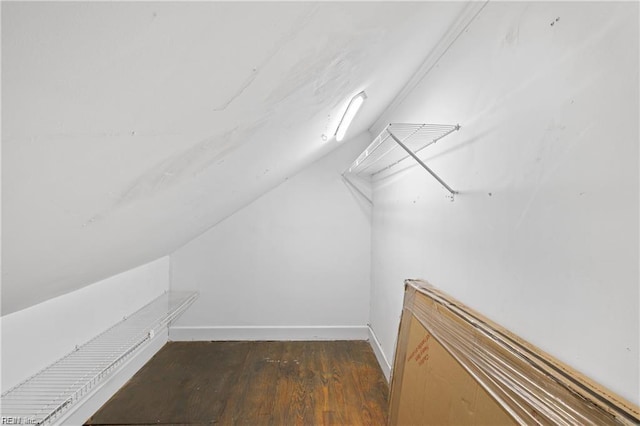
455, 367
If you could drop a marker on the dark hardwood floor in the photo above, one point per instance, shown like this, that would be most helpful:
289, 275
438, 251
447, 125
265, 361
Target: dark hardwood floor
253, 383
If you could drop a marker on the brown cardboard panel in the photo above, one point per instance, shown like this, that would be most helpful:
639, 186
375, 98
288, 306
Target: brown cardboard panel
553, 375
454, 366
438, 391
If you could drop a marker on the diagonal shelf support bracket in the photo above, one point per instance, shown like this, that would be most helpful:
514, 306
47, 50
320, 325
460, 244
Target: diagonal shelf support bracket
422, 163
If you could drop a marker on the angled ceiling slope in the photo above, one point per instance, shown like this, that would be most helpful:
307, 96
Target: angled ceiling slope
129, 128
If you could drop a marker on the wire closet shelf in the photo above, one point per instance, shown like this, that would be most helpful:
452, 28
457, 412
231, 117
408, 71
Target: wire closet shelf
52, 391
396, 143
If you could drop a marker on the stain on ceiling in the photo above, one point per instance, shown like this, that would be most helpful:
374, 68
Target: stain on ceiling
129, 128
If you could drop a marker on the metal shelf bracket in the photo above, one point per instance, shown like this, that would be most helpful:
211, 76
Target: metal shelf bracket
383, 153
424, 166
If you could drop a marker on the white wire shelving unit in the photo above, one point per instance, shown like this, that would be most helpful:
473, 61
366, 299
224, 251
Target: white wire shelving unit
52, 391
397, 143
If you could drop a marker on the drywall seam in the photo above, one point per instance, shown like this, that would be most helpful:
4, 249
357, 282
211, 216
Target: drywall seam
277, 47
103, 392
170, 272
385, 365
468, 15
258, 333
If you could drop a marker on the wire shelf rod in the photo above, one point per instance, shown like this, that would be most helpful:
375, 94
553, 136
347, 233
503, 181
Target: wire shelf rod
391, 147
417, 151
35, 405
382, 155
373, 162
395, 144
369, 151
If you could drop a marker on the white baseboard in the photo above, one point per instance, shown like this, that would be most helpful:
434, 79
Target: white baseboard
83, 410
256, 333
385, 365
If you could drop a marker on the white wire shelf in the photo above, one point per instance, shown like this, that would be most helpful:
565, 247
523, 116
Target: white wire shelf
47, 394
396, 143
384, 153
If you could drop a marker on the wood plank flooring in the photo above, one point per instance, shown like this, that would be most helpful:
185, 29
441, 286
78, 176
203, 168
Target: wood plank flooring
253, 383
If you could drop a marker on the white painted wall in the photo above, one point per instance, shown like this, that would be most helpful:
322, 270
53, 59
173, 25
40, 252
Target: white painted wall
35, 337
543, 237
294, 264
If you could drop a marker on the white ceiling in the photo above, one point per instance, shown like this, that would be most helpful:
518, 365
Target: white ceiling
130, 128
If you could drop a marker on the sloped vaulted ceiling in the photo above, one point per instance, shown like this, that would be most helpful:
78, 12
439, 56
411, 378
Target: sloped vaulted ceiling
130, 128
